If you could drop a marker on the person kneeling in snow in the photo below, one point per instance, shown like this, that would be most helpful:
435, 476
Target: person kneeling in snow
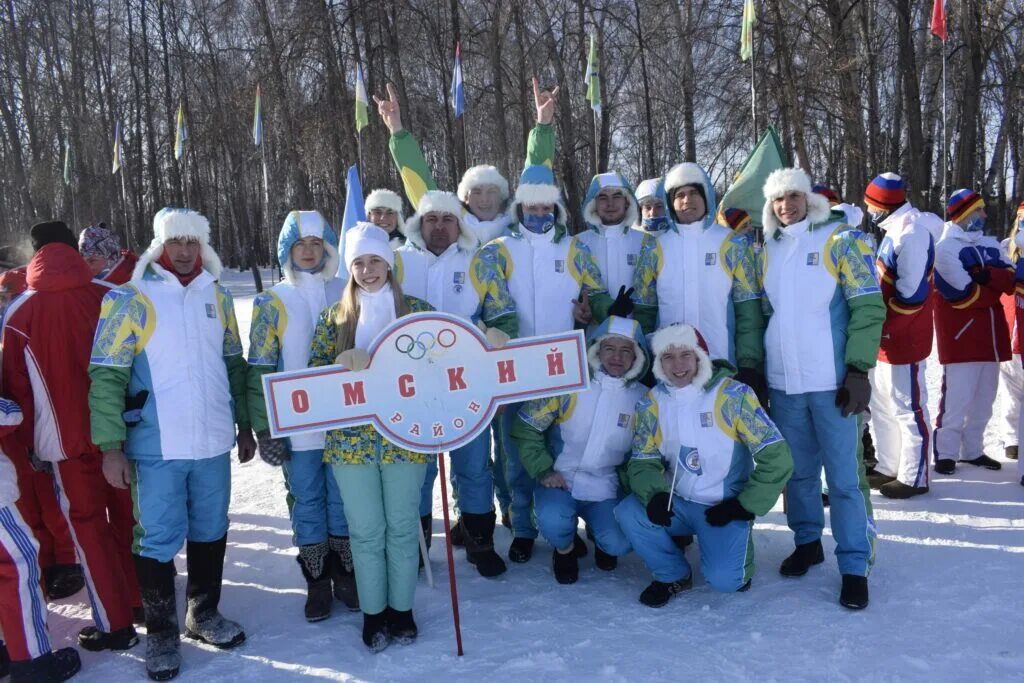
573, 444
727, 462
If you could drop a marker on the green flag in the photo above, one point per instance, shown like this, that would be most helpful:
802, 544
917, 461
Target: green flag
362, 101
747, 33
747, 189
592, 80
67, 162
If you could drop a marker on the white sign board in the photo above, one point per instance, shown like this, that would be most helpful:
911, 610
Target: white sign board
433, 383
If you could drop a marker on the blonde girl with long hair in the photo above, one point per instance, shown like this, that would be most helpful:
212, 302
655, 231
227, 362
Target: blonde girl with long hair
379, 482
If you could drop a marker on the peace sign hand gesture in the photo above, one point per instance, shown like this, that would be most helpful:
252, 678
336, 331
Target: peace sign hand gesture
390, 110
544, 102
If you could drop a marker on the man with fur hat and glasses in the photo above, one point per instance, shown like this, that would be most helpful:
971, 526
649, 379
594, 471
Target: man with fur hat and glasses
168, 340
701, 273
706, 459
826, 316
574, 445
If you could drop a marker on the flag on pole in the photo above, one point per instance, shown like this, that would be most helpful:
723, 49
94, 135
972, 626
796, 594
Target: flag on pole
355, 211
181, 133
458, 87
257, 119
747, 34
747, 189
939, 19
67, 162
362, 101
118, 154
591, 78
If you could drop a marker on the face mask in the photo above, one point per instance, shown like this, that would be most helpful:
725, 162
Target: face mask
976, 224
539, 224
655, 223
878, 216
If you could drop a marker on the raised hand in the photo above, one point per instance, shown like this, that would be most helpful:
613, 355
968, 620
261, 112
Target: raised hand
581, 309
390, 111
545, 102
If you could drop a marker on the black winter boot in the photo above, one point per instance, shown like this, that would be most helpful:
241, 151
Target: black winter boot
986, 462
63, 580
566, 566
203, 621
458, 533
898, 490
603, 560
5, 661
870, 457
314, 560
156, 584
479, 539
579, 546
94, 640
521, 550
375, 631
877, 480
401, 626
803, 558
658, 594
945, 466
855, 592
52, 667
343, 576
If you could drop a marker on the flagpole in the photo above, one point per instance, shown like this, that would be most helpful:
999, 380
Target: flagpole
753, 93
266, 208
124, 203
597, 143
945, 138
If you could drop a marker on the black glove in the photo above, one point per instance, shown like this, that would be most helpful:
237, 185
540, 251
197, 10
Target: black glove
981, 276
657, 509
727, 511
272, 451
133, 405
623, 304
754, 379
855, 394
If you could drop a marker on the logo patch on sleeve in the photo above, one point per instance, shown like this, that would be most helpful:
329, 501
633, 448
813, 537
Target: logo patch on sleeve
813, 258
710, 258
707, 419
624, 420
559, 266
211, 311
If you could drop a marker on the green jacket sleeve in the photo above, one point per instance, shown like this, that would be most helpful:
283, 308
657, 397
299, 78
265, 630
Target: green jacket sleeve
237, 371
540, 147
487, 272
856, 267
646, 469
750, 327
412, 167
254, 397
107, 389
773, 463
528, 428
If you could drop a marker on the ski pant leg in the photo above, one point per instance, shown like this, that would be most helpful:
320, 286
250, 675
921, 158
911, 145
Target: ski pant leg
307, 484
61, 547
1011, 380
501, 491
362, 490
653, 542
22, 603
556, 516
853, 526
122, 524
979, 410
471, 470
959, 385
209, 495
399, 482
726, 552
909, 403
804, 510
884, 426
337, 523
32, 510
427, 487
84, 504
160, 494
521, 484
600, 516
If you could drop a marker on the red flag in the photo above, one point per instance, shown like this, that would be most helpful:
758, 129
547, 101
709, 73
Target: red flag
939, 19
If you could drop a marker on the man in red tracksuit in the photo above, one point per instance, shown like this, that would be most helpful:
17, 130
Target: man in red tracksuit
47, 339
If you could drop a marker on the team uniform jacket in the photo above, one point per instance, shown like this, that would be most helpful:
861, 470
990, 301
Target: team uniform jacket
526, 282
969, 322
584, 436
363, 444
443, 281
705, 276
825, 305
718, 443
46, 356
181, 345
906, 259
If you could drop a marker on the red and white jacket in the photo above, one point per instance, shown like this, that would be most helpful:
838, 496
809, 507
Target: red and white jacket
969, 321
121, 272
47, 338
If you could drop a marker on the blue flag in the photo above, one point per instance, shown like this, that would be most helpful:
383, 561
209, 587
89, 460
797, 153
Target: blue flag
458, 88
355, 211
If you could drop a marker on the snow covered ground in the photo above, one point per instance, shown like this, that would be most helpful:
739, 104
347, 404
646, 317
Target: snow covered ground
946, 603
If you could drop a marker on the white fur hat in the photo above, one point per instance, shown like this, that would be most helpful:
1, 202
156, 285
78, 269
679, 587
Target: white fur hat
366, 238
786, 180
386, 199
681, 336
482, 175
171, 223
441, 202
626, 328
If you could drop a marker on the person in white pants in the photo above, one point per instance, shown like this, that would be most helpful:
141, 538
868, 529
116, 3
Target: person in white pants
1011, 372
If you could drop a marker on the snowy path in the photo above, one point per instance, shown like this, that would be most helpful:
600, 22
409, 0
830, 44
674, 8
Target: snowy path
946, 603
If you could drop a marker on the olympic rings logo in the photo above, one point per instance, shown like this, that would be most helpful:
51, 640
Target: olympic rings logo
425, 343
